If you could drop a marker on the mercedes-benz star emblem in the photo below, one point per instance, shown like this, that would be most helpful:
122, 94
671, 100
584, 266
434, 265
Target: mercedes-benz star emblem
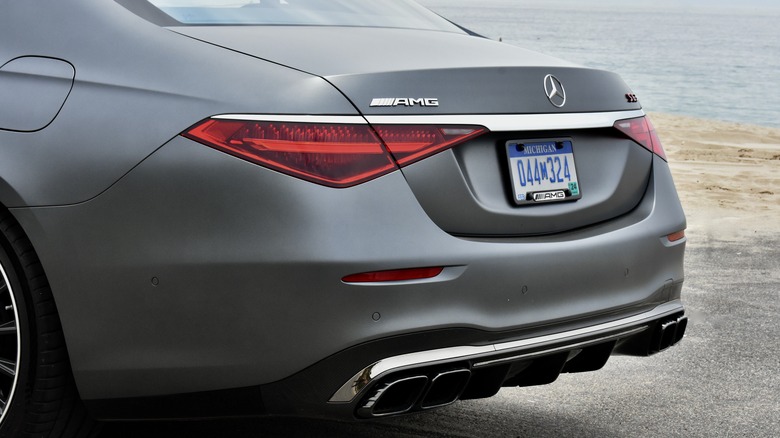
554, 90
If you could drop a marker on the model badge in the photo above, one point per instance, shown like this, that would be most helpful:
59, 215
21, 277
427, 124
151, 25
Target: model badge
631, 97
554, 195
555, 91
405, 101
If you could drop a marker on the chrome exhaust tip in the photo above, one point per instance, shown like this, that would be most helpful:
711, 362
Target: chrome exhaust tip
446, 388
393, 397
682, 324
668, 333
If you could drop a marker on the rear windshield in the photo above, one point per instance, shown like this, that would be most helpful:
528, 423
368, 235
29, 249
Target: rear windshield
371, 13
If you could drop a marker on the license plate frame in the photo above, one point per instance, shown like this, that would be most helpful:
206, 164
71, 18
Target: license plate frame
549, 172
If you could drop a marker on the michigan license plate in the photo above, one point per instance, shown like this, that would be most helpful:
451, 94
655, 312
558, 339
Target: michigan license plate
543, 171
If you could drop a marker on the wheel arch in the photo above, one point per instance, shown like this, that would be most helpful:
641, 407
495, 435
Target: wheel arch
45, 398
29, 230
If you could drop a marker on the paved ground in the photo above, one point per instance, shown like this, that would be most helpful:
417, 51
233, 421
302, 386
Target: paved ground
723, 380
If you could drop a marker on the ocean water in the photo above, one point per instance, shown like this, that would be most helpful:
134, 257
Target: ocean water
711, 62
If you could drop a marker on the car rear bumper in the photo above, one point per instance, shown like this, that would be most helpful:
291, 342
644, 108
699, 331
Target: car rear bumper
424, 379
227, 275
438, 377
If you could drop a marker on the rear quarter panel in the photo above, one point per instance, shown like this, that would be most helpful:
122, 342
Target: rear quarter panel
136, 86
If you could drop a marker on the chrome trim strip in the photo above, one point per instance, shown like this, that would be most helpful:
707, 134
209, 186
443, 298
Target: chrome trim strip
515, 122
563, 347
494, 122
354, 386
354, 120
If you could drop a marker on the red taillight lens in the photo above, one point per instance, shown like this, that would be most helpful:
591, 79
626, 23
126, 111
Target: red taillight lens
335, 155
642, 131
413, 143
332, 155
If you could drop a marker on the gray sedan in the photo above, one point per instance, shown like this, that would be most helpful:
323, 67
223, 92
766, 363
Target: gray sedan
304, 207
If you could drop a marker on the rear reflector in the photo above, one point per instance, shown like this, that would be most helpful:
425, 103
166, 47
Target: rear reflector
396, 275
642, 131
674, 237
334, 155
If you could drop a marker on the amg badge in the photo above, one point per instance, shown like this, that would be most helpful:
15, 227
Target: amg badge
555, 195
405, 101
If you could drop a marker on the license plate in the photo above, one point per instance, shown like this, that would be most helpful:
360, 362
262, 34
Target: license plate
543, 171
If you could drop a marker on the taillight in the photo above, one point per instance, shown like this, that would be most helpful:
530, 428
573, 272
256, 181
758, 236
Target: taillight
641, 130
410, 143
334, 155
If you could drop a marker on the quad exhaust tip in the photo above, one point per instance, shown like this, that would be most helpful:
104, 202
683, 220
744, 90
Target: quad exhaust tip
445, 389
668, 333
404, 394
394, 397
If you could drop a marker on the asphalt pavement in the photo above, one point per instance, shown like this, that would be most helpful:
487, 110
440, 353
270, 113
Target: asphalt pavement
722, 380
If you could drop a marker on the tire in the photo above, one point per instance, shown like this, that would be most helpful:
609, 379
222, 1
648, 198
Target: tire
38, 395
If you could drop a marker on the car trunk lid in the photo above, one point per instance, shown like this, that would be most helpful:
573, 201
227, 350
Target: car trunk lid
430, 77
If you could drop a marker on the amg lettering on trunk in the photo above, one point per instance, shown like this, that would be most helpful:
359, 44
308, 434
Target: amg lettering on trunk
405, 101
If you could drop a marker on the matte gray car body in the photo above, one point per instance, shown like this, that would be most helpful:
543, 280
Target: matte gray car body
178, 269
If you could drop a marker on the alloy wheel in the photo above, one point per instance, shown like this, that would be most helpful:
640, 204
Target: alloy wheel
9, 344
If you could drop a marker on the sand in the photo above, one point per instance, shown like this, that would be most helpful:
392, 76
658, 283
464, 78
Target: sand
727, 176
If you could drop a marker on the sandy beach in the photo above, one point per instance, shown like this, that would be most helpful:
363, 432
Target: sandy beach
727, 175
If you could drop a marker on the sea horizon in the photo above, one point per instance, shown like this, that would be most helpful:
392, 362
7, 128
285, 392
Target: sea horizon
708, 60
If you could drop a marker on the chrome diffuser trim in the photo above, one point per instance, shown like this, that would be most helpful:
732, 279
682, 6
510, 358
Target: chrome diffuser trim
566, 347
626, 326
493, 122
